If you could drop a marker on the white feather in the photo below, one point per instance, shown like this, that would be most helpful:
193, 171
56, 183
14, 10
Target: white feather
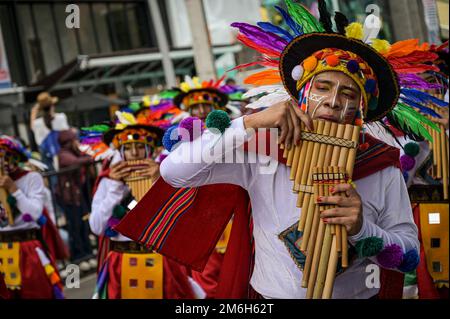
265, 89
372, 27
269, 100
189, 81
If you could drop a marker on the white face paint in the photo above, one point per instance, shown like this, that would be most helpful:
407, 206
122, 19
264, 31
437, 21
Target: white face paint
320, 98
333, 96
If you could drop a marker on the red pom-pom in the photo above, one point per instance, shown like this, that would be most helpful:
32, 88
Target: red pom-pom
332, 60
363, 147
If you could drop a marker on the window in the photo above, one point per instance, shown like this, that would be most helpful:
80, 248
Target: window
437, 266
133, 262
435, 242
149, 284
149, 262
434, 218
133, 283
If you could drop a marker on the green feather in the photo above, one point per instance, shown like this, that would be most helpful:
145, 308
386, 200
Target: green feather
413, 121
302, 16
101, 128
168, 94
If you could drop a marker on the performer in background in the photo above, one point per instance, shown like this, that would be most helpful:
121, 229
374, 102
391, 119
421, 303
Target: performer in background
130, 270
29, 271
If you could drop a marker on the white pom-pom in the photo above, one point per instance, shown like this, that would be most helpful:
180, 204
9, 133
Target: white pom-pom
297, 72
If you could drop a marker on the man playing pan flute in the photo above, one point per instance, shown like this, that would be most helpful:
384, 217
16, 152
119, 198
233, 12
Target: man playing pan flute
327, 76
131, 270
29, 270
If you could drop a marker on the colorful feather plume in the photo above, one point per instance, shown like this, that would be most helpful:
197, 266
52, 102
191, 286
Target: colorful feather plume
411, 122
341, 22
294, 26
325, 17
269, 27
303, 17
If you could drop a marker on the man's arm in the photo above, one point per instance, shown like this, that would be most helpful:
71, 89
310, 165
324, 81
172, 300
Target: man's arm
108, 195
209, 159
394, 223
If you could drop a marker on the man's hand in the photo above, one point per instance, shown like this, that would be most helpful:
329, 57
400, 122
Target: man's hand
285, 115
119, 171
7, 183
349, 210
151, 171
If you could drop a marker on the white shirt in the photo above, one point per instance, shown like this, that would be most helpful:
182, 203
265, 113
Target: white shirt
109, 194
386, 210
40, 130
30, 197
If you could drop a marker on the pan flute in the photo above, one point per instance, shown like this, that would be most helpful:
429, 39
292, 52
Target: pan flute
138, 185
439, 147
4, 195
326, 157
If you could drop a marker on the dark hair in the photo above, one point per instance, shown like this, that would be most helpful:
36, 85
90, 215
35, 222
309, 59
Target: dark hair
47, 117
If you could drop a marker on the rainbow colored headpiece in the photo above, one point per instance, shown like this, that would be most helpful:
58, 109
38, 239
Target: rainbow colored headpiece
387, 75
193, 92
13, 150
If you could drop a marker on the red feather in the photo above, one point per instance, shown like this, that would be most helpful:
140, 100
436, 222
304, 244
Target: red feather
415, 57
219, 81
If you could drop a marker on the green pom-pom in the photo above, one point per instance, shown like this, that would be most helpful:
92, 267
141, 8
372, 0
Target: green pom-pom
134, 106
412, 149
11, 200
369, 247
219, 120
119, 211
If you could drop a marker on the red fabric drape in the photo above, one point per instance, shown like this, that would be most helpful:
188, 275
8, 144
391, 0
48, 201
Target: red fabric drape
35, 282
56, 246
4, 293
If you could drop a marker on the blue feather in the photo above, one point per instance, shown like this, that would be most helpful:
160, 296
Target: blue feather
269, 27
295, 27
423, 97
422, 108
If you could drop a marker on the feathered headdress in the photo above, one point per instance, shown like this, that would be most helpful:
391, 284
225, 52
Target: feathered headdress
192, 91
388, 75
12, 148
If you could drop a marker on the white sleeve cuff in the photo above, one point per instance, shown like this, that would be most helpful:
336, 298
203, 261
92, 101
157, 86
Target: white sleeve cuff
364, 232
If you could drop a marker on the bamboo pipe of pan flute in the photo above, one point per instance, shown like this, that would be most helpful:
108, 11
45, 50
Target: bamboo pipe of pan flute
318, 188
306, 166
331, 270
308, 200
296, 158
323, 263
444, 156
303, 167
301, 162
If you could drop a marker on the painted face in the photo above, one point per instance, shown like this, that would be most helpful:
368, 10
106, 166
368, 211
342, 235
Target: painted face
335, 97
201, 110
134, 151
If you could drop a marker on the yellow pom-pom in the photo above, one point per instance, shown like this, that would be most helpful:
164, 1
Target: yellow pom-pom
185, 87
355, 31
196, 82
382, 46
49, 269
310, 64
146, 100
